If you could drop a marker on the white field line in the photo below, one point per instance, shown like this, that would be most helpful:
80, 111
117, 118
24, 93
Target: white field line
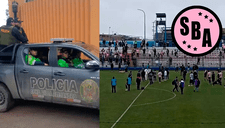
129, 107
157, 101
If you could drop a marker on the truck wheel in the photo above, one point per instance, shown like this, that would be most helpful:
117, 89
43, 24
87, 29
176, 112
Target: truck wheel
6, 100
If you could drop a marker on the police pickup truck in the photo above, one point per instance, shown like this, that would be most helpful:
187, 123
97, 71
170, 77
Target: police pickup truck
47, 81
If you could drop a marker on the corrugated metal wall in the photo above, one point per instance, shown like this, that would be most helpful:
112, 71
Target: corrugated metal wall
45, 19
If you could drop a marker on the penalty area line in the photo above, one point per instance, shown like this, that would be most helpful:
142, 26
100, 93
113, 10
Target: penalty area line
129, 107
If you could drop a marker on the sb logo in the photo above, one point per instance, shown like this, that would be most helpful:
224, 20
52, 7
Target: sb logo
196, 31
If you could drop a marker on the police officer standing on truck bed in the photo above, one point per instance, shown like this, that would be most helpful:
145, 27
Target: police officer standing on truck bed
18, 32
6, 37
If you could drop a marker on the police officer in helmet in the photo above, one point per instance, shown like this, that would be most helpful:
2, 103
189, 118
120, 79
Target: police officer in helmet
6, 37
18, 32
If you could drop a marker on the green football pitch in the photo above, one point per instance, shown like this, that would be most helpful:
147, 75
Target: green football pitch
157, 106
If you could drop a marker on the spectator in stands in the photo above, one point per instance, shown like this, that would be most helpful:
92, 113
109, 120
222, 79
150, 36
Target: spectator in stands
167, 52
135, 43
170, 61
110, 43
144, 51
128, 62
154, 51
149, 53
147, 44
137, 52
198, 61
103, 43
175, 53
112, 66
135, 62
126, 48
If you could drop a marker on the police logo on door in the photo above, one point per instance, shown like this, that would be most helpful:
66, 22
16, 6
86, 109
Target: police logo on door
89, 91
196, 31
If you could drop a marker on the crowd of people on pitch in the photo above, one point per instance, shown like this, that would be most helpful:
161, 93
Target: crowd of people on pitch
163, 75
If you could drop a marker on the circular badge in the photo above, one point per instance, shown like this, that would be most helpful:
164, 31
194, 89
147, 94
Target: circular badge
89, 90
196, 31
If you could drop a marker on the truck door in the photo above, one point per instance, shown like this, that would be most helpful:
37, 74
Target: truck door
73, 83
33, 77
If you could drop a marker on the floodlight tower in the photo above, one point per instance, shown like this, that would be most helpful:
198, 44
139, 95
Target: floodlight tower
160, 20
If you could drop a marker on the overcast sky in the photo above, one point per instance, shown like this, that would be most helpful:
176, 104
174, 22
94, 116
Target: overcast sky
3, 7
124, 18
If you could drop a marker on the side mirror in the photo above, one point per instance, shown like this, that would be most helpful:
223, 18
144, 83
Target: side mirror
92, 64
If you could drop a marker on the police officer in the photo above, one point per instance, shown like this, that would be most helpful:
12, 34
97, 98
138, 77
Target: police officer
6, 37
18, 32
31, 58
78, 62
63, 61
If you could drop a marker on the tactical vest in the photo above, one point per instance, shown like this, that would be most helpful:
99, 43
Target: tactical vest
6, 37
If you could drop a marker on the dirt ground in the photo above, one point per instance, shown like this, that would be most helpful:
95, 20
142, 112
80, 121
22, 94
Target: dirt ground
32, 114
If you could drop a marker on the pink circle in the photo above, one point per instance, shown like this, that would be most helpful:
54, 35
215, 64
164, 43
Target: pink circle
207, 21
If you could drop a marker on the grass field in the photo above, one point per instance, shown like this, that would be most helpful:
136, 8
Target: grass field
157, 106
